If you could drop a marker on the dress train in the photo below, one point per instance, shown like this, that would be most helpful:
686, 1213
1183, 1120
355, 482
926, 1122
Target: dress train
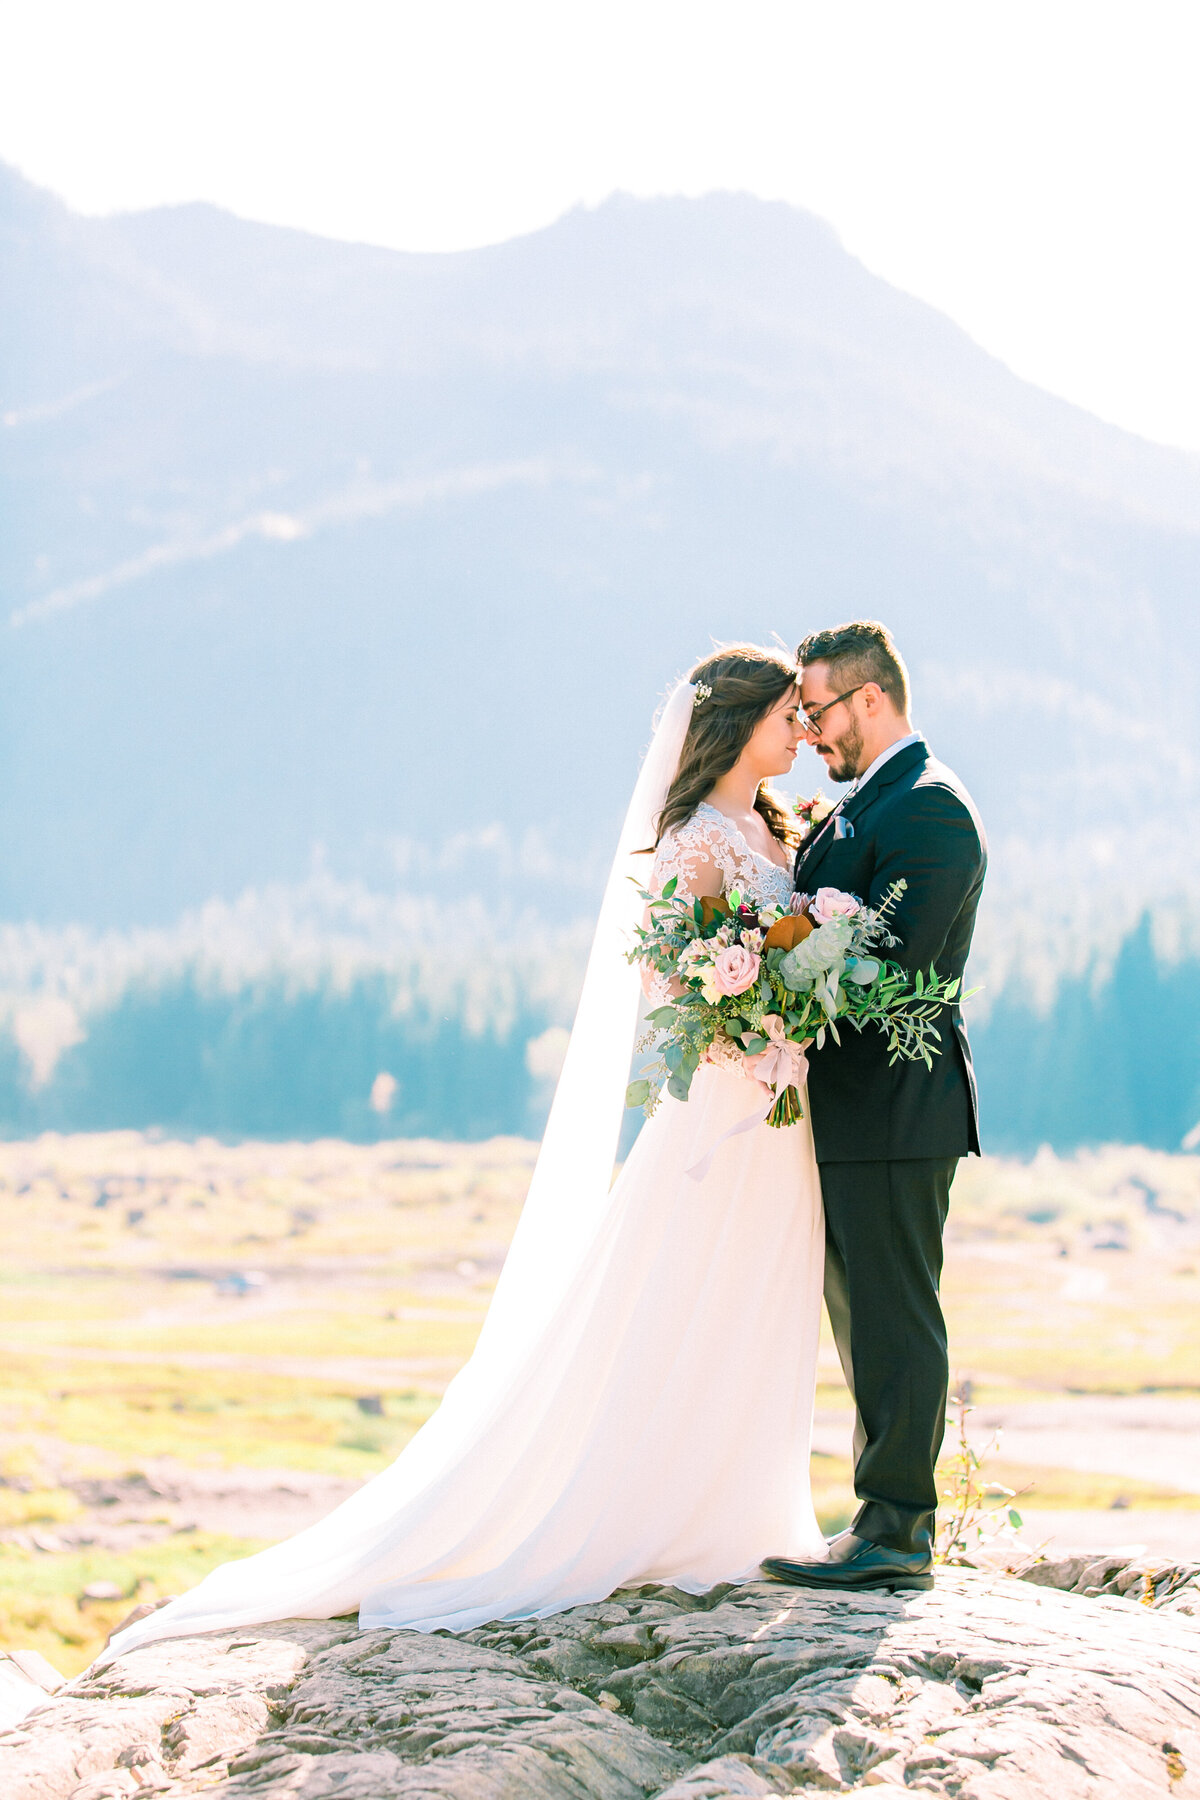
658, 1430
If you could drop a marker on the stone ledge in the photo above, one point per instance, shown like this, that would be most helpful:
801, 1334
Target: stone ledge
1165, 1586
987, 1688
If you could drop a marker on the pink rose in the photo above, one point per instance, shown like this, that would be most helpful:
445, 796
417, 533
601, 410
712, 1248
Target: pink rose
735, 970
830, 903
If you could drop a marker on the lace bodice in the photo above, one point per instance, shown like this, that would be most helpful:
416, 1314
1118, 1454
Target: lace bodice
709, 836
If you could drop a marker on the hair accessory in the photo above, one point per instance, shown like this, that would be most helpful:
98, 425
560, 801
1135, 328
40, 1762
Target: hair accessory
703, 693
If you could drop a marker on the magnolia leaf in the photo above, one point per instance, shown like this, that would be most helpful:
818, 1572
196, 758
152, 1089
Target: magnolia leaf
714, 909
669, 888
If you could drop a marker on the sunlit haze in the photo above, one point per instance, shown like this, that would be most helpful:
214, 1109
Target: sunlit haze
1028, 168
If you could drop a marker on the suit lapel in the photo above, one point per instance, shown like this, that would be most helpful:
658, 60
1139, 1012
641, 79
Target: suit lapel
809, 855
853, 809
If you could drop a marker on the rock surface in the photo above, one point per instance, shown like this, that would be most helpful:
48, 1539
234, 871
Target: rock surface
988, 1688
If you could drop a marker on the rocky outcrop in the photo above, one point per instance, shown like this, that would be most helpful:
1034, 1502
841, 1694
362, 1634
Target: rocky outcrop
1166, 1586
988, 1688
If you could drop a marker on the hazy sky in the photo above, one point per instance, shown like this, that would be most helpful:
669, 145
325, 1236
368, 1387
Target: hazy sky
1030, 168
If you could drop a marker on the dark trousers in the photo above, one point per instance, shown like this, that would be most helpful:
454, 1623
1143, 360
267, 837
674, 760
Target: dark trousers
883, 1265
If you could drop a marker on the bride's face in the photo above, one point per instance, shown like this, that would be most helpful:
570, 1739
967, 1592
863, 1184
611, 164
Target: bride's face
772, 745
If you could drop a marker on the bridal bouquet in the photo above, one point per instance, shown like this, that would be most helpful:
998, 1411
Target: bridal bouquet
754, 987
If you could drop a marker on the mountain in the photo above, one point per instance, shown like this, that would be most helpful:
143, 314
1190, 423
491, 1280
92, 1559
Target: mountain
327, 557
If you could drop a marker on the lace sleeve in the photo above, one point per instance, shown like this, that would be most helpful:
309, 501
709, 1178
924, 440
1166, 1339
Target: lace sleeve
657, 988
707, 854
691, 852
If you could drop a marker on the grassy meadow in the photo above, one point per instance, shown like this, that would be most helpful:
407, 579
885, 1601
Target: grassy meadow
195, 1335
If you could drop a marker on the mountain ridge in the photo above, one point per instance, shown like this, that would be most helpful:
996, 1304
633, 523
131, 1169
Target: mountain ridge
275, 493
151, 241
341, 584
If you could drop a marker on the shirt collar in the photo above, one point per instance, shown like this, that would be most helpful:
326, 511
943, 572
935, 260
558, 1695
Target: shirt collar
913, 737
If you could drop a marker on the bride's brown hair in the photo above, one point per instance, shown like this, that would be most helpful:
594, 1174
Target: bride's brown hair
745, 682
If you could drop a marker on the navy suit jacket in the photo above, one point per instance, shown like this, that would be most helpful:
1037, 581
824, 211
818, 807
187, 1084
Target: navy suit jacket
914, 819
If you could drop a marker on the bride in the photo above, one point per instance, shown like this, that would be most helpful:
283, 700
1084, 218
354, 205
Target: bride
639, 1403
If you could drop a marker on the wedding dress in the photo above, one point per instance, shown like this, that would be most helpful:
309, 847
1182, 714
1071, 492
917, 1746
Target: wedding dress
638, 1407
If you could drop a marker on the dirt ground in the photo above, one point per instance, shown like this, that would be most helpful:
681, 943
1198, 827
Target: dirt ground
205, 1347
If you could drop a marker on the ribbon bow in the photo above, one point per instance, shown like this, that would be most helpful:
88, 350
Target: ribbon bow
781, 1065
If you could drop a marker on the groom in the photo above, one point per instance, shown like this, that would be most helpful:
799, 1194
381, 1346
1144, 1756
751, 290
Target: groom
888, 1138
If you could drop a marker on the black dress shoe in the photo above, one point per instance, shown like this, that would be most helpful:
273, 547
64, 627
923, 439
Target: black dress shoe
854, 1563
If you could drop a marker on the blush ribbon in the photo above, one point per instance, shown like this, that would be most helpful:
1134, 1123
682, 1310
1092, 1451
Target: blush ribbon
781, 1065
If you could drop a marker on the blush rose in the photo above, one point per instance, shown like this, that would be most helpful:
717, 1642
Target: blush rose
735, 970
831, 903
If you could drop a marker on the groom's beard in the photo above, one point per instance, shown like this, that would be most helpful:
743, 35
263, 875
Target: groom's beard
846, 760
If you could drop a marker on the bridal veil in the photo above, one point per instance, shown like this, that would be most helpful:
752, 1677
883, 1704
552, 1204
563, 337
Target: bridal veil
437, 1537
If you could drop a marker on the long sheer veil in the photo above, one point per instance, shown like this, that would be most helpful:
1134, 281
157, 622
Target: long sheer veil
412, 1518
568, 1194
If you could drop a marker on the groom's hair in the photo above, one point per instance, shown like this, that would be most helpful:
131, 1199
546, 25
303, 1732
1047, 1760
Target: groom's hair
858, 652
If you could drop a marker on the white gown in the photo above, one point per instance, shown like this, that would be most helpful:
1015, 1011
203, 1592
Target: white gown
658, 1427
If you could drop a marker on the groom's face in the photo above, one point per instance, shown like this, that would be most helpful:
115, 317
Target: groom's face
838, 740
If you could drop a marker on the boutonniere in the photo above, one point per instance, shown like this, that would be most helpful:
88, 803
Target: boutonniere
812, 813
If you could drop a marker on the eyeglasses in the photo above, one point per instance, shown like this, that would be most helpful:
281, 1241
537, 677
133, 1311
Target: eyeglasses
811, 720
